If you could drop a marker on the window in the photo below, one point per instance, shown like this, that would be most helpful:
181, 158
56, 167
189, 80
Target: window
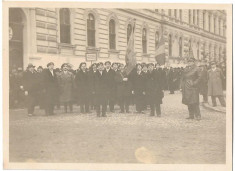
65, 25
219, 25
170, 46
198, 47
156, 40
214, 25
180, 15
144, 40
91, 30
180, 47
189, 16
129, 30
169, 12
112, 34
224, 28
220, 55
209, 23
209, 52
175, 13
198, 17
194, 15
204, 50
204, 20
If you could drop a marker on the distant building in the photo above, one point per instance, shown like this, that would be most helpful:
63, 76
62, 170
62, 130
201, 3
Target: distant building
40, 35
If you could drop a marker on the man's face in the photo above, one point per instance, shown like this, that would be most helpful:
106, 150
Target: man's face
107, 65
94, 68
157, 66
51, 67
213, 66
190, 63
114, 66
150, 68
139, 68
101, 67
65, 68
39, 70
31, 69
145, 69
121, 67
83, 67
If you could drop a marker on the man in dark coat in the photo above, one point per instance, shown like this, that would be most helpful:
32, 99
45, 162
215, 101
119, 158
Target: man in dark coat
145, 74
91, 80
123, 89
40, 95
172, 80
203, 87
190, 81
138, 88
110, 73
50, 87
154, 90
100, 90
82, 84
30, 88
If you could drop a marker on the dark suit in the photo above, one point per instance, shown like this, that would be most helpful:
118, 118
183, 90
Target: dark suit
110, 88
172, 80
91, 80
30, 85
51, 90
82, 84
138, 83
100, 90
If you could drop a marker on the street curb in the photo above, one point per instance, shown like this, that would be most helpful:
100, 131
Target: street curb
207, 106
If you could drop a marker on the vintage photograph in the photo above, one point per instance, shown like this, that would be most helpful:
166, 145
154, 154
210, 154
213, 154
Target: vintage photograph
118, 85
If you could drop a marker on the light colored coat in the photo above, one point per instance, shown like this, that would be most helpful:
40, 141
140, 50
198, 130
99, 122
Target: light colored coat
215, 82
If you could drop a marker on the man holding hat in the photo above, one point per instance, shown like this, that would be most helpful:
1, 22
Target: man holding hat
50, 87
30, 88
190, 81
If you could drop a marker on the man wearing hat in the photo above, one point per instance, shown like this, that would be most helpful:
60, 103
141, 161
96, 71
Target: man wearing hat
30, 88
50, 85
110, 74
215, 88
190, 81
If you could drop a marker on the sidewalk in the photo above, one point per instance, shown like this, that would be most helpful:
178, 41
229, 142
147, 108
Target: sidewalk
218, 108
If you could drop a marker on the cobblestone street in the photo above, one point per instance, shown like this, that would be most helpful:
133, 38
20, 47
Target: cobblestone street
119, 138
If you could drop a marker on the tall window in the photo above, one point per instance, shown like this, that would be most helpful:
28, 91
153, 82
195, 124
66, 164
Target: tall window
189, 16
169, 12
215, 57
220, 55
204, 20
209, 52
214, 24
224, 28
180, 47
180, 15
198, 47
144, 40
65, 25
198, 17
219, 25
112, 34
204, 50
156, 40
209, 22
175, 13
194, 15
129, 30
170, 45
91, 30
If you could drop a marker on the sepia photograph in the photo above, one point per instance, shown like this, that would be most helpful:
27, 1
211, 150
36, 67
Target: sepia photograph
102, 86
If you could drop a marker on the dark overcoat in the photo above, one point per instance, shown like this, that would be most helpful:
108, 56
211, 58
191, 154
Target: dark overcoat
154, 87
100, 84
50, 84
123, 87
82, 84
190, 85
203, 86
215, 82
138, 83
30, 82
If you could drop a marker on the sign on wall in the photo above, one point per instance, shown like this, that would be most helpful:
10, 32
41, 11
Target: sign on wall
91, 56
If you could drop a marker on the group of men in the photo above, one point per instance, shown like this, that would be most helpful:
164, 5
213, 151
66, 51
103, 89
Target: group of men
105, 85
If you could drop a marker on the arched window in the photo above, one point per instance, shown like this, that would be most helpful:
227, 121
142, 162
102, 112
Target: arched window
198, 47
220, 55
204, 20
209, 22
169, 12
175, 13
65, 25
91, 30
215, 57
194, 15
170, 45
209, 52
112, 34
129, 30
180, 47
156, 40
215, 25
219, 25
144, 40
198, 17
180, 15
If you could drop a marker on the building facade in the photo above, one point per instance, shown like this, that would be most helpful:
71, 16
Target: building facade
41, 35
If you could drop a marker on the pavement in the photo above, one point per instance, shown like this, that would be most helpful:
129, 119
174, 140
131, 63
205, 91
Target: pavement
119, 138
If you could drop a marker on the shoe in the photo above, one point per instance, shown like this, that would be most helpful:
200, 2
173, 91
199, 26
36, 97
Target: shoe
158, 116
121, 112
104, 115
151, 115
190, 118
30, 114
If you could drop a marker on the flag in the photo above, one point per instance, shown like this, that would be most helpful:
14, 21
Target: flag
130, 57
160, 50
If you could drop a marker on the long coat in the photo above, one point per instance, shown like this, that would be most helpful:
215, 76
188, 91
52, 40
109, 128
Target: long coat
215, 82
123, 87
190, 85
82, 84
30, 82
50, 85
138, 83
100, 84
204, 80
154, 87
66, 86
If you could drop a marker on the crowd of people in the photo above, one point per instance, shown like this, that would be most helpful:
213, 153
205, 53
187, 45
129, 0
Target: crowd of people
105, 85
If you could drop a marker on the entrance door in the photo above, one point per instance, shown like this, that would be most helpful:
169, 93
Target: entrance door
15, 38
